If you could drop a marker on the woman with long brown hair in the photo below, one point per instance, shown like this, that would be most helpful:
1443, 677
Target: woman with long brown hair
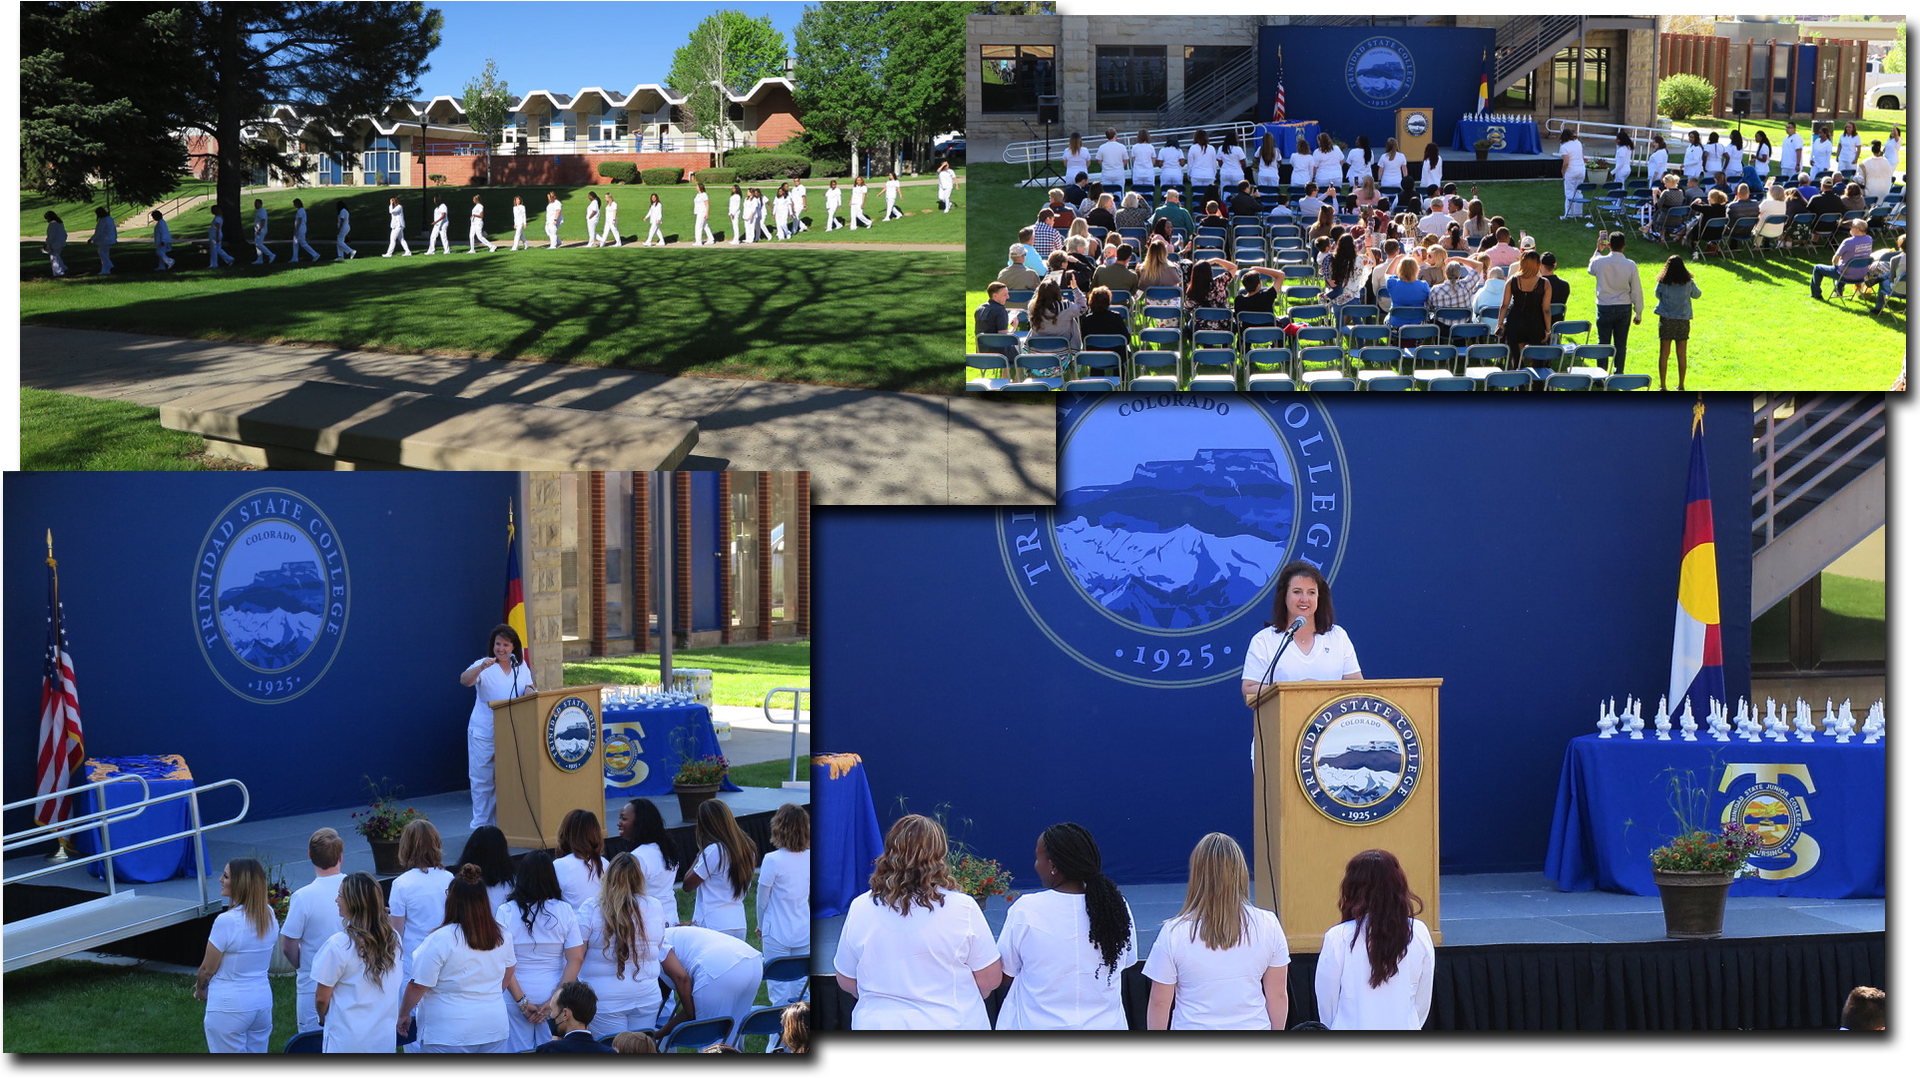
786, 924
722, 873
1376, 965
915, 952
1221, 963
458, 974
625, 929
1156, 266
357, 981
583, 844
232, 979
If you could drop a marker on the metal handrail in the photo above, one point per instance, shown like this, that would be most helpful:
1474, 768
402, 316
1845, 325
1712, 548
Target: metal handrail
1520, 42
793, 747
197, 831
1774, 468
62, 828
1032, 151
1207, 95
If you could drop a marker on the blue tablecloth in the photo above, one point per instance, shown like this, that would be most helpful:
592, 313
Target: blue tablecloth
845, 830
1506, 138
1284, 136
1826, 803
164, 774
645, 746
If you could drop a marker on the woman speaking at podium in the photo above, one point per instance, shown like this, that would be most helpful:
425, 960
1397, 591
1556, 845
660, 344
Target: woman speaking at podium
499, 676
1301, 643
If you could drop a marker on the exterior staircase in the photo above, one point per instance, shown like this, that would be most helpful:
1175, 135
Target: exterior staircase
1819, 485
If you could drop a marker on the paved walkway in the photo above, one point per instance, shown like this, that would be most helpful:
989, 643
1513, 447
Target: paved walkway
864, 447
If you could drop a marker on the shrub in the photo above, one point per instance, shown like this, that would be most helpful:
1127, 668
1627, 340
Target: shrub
773, 167
824, 168
660, 176
720, 176
750, 151
1683, 97
618, 171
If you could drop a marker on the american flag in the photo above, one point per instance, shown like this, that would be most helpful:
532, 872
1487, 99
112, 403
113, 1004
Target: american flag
1279, 90
61, 752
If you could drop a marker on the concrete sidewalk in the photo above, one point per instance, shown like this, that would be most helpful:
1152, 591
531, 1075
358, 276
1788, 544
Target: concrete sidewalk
864, 447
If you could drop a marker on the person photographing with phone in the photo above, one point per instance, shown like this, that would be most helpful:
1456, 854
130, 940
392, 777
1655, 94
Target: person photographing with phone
499, 676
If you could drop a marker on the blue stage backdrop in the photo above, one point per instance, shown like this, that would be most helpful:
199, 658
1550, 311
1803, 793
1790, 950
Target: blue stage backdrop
1354, 80
1027, 667
324, 643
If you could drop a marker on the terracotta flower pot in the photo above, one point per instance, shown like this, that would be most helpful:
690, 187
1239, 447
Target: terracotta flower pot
691, 797
1695, 903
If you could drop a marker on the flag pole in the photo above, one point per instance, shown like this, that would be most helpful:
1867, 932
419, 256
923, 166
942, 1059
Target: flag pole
64, 851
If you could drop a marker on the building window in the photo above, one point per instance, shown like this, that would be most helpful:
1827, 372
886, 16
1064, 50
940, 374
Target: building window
1566, 73
382, 161
1515, 98
1203, 61
1014, 77
619, 583
1130, 78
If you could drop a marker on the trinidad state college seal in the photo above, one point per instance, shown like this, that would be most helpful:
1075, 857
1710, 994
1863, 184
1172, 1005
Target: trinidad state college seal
571, 735
1358, 759
270, 595
1380, 72
1175, 511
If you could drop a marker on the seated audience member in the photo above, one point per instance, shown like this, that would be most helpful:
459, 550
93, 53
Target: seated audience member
1324, 226
1171, 210
1455, 241
1502, 252
1080, 256
1101, 216
1866, 1008
1797, 234
1034, 261
1457, 209
1059, 214
1100, 316
1213, 218
1157, 269
1063, 271
1133, 212
1426, 267
1345, 270
1053, 313
1382, 269
1856, 245
1017, 275
577, 1006
1311, 202
1437, 219
1774, 205
1405, 291
1089, 200
1742, 205
795, 1028
1045, 237
1208, 280
1477, 223
991, 317
634, 1043
1827, 201
1808, 188
1258, 291
1559, 288
1486, 302
1711, 208
1246, 201
1670, 196
1119, 273
1463, 281
1889, 265
1854, 200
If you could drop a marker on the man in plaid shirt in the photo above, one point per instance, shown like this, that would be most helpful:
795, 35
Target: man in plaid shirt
1463, 280
1045, 236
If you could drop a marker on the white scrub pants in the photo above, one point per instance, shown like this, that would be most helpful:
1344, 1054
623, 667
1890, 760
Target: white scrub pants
238, 1031
799, 218
465, 1049
260, 252
653, 234
306, 1016
610, 236
731, 993
162, 250
702, 232
106, 258
752, 221
858, 216
522, 1034
593, 230
340, 248
300, 244
1571, 187
946, 200
519, 238
477, 233
760, 223
733, 227
781, 993
780, 226
59, 263
832, 221
553, 235
394, 235
440, 233
480, 771
641, 1016
219, 254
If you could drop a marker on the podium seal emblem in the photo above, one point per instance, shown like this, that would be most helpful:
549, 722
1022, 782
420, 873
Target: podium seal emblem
571, 735
1359, 759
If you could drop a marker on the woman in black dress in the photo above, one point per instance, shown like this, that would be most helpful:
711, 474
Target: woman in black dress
1524, 309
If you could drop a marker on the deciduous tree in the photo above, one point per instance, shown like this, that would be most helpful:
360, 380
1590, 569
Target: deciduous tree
732, 50
839, 54
485, 100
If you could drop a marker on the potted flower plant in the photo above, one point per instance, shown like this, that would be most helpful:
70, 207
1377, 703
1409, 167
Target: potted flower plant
698, 780
1693, 872
978, 876
1480, 148
382, 823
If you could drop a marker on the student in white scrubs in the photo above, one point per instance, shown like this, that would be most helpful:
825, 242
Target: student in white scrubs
892, 195
499, 676
1573, 170
1076, 159
57, 240
833, 205
720, 875
1222, 963
519, 225
162, 240
442, 229
342, 221
781, 208
610, 236
644, 832
1143, 160
260, 251
1063, 948
702, 231
1622, 158
216, 233
548, 946
593, 219
356, 975
1319, 650
914, 952
760, 214
458, 973
721, 974
477, 227
580, 864
105, 235
1822, 150
1792, 149
625, 933
856, 205
1376, 965
800, 207
396, 229
945, 175
418, 902
312, 919
785, 925
554, 220
232, 980
1300, 165
733, 215
300, 233
1849, 148
654, 212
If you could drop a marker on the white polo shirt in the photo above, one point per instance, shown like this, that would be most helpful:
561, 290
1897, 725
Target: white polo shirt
1330, 657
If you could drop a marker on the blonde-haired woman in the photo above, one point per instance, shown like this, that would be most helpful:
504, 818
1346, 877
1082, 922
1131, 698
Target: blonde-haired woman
624, 928
914, 952
232, 980
1222, 962
356, 976
418, 902
719, 877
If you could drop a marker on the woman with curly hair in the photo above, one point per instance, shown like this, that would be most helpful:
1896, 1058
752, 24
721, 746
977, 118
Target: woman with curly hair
579, 869
625, 931
547, 943
786, 925
1222, 963
1389, 985
356, 976
720, 876
914, 952
1063, 948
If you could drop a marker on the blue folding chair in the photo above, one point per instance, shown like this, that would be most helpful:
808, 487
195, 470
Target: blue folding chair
1097, 362
1569, 381
302, 1043
1507, 380
1483, 361
759, 1022
1155, 360
1306, 369
1375, 364
1225, 381
1431, 361
986, 363
1450, 385
1592, 360
1308, 312
1629, 381
1268, 366
697, 1034
1542, 359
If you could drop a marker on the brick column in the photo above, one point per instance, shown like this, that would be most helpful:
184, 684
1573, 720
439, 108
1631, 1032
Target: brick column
763, 551
593, 573
802, 549
642, 564
683, 552
724, 529
542, 575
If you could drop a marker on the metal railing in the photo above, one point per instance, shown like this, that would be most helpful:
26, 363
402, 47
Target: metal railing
1521, 44
793, 747
1209, 96
630, 144
1793, 434
1035, 151
106, 817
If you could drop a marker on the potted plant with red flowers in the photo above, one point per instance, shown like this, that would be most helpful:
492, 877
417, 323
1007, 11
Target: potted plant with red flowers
1694, 871
698, 780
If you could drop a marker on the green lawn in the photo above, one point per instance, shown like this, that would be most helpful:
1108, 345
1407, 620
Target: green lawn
1754, 326
78, 216
1853, 624
134, 1010
742, 673
1872, 124
923, 223
63, 432
774, 314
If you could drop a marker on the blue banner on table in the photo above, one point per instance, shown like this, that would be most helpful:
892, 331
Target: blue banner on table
846, 832
1284, 137
646, 745
1503, 137
164, 775
1821, 809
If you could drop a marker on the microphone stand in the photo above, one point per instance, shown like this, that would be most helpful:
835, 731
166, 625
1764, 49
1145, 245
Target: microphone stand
1286, 641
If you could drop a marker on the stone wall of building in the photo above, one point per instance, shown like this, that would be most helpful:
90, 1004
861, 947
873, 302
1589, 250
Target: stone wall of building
541, 575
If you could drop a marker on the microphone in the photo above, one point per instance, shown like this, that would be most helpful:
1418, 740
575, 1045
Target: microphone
1286, 637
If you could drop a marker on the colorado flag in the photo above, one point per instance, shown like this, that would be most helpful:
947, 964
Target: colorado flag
1697, 671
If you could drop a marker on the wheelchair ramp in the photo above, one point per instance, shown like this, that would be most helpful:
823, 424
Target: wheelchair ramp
92, 924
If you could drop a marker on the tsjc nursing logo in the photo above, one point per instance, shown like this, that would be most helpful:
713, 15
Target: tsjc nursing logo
1175, 511
270, 595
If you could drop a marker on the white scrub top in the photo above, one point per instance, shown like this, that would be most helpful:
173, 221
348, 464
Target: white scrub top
916, 971
1059, 979
1218, 989
1347, 1001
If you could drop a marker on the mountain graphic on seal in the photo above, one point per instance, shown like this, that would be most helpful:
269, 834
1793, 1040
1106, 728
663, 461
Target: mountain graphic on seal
271, 620
1181, 542
1374, 756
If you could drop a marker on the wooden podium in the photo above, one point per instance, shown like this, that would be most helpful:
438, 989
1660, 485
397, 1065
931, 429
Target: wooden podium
1414, 130
1340, 767
548, 759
